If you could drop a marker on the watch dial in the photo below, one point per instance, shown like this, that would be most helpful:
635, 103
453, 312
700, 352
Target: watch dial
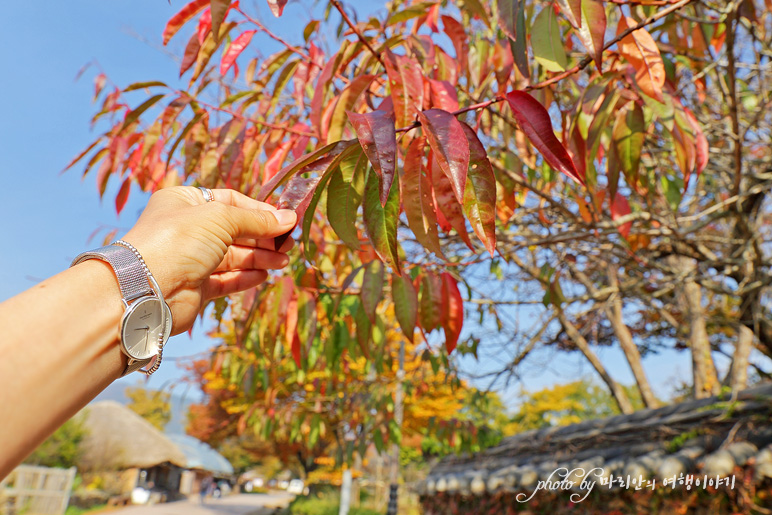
142, 328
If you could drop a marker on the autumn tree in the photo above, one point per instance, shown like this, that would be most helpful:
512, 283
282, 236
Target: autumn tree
152, 405
607, 162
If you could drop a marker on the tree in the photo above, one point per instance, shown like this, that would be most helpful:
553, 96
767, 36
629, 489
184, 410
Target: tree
566, 404
642, 225
61, 449
152, 405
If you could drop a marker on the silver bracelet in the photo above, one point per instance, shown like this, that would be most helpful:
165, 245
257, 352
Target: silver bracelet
160, 295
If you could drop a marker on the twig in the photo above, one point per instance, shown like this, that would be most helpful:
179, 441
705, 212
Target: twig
356, 31
579, 66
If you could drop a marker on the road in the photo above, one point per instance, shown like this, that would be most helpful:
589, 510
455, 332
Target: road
238, 504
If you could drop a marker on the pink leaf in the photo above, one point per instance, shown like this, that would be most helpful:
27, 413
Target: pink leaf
277, 6
234, 50
178, 20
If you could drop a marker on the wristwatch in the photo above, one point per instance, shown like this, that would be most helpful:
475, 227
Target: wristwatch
147, 320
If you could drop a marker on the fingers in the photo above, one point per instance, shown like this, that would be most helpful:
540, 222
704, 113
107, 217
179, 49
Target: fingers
219, 285
265, 244
247, 258
236, 199
256, 224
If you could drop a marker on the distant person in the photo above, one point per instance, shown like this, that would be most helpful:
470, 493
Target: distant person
206, 488
67, 338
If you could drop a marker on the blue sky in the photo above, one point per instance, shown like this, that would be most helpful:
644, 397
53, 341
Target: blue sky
46, 217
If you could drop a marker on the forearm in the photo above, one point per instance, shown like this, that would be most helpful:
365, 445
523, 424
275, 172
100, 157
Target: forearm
59, 349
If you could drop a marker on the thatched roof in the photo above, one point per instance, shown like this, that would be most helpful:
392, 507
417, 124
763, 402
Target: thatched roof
118, 438
708, 436
200, 456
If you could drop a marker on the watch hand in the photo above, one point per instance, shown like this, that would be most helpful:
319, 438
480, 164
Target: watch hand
142, 328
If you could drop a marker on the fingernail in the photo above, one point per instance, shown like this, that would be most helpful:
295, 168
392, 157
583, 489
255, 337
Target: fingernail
285, 216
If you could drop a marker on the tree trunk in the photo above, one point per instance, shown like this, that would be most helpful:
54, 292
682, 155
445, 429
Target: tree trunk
623, 402
737, 377
614, 314
703, 368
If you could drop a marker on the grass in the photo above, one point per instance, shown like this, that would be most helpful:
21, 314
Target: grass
74, 510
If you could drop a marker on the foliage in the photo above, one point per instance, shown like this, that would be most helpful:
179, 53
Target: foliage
61, 449
152, 405
610, 157
322, 417
323, 503
564, 404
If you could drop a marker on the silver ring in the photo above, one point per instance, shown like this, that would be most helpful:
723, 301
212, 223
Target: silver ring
208, 195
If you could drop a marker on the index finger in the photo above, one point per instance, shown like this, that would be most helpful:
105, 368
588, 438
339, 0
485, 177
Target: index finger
237, 199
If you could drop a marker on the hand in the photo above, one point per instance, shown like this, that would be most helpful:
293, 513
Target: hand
201, 250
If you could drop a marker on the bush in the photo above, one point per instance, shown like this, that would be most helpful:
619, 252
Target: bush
324, 504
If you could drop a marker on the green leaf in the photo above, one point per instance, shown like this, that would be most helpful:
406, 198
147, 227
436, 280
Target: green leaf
346, 102
480, 192
408, 13
546, 41
182, 135
381, 221
344, 198
282, 81
405, 303
143, 85
132, 116
372, 288
628, 136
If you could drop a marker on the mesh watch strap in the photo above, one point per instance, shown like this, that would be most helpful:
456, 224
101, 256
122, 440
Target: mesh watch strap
132, 280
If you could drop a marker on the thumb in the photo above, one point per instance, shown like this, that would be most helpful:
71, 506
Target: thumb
261, 223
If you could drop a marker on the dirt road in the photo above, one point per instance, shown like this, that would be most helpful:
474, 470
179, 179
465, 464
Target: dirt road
238, 504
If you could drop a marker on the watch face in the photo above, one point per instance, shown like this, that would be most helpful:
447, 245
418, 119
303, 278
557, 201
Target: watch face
142, 328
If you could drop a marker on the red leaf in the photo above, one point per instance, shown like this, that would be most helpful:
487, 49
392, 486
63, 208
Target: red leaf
432, 17
535, 122
378, 137
453, 318
191, 53
701, 142
592, 28
276, 159
183, 16
407, 89
417, 199
204, 26
449, 213
123, 195
430, 302
236, 47
443, 95
572, 10
480, 195
277, 6
619, 208
451, 148
457, 35
297, 194
512, 22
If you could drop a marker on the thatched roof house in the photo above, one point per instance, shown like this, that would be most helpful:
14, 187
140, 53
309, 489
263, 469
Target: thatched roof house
120, 439
199, 456
708, 438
